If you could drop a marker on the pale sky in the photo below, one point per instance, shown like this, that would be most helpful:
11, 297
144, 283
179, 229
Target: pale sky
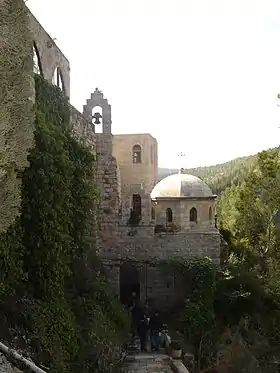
199, 75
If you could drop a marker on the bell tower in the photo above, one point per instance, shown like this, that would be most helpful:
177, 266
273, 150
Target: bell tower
97, 99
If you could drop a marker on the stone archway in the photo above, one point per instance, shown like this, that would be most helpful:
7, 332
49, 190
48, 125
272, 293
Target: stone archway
129, 282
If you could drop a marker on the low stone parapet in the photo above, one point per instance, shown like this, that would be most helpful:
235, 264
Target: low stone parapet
178, 367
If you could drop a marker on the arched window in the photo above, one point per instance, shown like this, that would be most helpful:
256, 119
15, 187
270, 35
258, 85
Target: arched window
153, 213
193, 215
210, 214
37, 67
136, 154
58, 79
169, 215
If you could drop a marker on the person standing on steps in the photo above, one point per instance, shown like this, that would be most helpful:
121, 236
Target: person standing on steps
155, 329
136, 314
143, 329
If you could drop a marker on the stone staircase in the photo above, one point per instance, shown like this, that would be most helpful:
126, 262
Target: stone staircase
147, 362
150, 362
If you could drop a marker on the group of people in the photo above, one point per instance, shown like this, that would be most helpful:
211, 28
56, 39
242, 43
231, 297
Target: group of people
146, 324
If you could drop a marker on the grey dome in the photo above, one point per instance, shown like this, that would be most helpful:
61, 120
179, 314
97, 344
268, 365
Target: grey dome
181, 185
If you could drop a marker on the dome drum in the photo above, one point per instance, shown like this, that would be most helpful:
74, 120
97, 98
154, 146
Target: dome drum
184, 200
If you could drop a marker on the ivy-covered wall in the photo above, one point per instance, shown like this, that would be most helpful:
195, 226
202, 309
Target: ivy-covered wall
16, 108
51, 288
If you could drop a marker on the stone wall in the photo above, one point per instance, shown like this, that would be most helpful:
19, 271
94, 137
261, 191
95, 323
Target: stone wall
161, 289
181, 213
144, 248
127, 197
107, 178
145, 244
164, 290
109, 188
50, 56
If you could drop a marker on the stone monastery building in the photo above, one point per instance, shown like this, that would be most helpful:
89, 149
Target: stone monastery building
139, 218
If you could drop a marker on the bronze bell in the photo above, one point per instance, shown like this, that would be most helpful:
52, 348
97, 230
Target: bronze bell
97, 117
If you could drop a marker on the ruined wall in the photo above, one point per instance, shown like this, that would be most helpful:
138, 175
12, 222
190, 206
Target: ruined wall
50, 56
82, 129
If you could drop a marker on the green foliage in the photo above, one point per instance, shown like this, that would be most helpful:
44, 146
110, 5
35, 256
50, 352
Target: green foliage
16, 109
48, 259
249, 217
250, 211
11, 260
198, 313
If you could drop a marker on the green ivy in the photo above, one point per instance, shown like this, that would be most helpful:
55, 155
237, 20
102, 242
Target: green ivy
17, 114
48, 258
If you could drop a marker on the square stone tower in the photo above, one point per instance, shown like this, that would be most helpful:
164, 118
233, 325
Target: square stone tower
137, 159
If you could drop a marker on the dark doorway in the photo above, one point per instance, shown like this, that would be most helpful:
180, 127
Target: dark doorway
137, 205
129, 282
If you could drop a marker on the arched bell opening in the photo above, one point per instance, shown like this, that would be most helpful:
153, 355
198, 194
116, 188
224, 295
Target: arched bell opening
97, 119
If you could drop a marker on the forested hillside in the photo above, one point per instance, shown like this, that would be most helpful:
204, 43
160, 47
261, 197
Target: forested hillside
219, 176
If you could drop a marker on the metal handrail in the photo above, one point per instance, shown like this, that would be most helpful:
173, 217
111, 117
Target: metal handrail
8, 352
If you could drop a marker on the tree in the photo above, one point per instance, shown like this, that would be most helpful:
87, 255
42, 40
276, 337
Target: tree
257, 206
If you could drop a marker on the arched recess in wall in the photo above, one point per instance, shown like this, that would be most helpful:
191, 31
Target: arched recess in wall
153, 213
37, 66
58, 79
136, 154
169, 215
193, 215
210, 213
